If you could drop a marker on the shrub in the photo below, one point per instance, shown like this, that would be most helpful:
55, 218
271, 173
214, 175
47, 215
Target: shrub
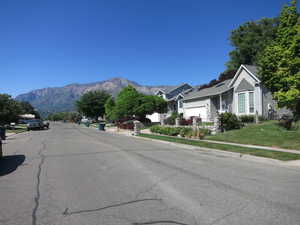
182, 131
186, 132
146, 121
183, 122
247, 119
171, 120
229, 121
205, 131
127, 125
262, 118
286, 121
171, 131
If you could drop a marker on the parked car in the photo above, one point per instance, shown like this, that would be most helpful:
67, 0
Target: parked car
35, 124
46, 124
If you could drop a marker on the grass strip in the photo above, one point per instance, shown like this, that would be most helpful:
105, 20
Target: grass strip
16, 131
284, 156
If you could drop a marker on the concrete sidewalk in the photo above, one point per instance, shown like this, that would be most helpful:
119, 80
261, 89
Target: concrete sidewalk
254, 146
147, 131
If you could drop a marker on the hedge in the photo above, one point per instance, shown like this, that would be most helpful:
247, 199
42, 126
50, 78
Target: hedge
182, 131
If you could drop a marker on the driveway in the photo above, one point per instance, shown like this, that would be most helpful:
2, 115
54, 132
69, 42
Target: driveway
80, 176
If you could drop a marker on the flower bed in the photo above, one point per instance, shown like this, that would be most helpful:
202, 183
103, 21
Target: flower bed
180, 131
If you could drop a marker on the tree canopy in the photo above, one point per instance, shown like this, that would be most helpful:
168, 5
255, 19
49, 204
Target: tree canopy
130, 103
280, 61
127, 101
110, 112
70, 116
249, 40
27, 108
9, 109
91, 104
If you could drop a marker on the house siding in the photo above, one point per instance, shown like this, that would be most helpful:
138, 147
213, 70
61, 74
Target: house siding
267, 99
257, 94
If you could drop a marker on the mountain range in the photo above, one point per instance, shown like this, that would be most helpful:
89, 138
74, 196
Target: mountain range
60, 99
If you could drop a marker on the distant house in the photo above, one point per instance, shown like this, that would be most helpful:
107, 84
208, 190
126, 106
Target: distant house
173, 96
242, 95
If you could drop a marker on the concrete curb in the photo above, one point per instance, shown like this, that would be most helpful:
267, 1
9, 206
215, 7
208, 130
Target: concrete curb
254, 146
294, 163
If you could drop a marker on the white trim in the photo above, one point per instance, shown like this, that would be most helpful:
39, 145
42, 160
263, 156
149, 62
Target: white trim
247, 106
238, 73
254, 108
179, 95
160, 91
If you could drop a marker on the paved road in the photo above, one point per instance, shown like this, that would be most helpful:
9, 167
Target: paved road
79, 176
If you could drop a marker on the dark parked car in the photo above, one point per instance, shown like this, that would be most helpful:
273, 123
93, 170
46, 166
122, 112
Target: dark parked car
35, 124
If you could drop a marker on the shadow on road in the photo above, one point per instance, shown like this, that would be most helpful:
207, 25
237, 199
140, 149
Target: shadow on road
9, 164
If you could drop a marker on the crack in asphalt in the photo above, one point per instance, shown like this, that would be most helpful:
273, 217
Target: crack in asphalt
151, 187
67, 213
161, 222
229, 214
37, 188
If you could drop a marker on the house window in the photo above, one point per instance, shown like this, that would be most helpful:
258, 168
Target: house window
180, 103
251, 102
242, 102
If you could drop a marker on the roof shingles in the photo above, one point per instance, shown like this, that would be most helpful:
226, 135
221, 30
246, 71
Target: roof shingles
214, 90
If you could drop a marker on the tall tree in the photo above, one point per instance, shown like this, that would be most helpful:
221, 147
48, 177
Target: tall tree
249, 40
280, 61
130, 103
110, 109
127, 101
149, 104
27, 108
9, 109
91, 104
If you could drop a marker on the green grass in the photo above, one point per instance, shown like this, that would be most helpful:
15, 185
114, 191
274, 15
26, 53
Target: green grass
16, 131
266, 134
206, 123
284, 156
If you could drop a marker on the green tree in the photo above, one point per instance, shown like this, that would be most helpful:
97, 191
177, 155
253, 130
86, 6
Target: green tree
249, 40
74, 116
126, 103
91, 104
27, 108
130, 103
149, 104
9, 109
280, 61
110, 107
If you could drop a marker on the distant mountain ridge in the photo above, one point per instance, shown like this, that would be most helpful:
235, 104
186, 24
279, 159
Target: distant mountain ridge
60, 99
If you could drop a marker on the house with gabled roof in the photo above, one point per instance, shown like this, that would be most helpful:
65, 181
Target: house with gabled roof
243, 95
173, 96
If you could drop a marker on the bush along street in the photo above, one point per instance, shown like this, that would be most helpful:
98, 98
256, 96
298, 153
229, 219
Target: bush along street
187, 132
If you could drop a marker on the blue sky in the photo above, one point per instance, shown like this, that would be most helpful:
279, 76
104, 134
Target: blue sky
57, 42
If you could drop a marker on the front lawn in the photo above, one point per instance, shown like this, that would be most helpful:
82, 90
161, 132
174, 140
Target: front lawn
265, 134
284, 156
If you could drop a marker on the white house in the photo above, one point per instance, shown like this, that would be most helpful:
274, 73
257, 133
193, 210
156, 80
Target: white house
242, 95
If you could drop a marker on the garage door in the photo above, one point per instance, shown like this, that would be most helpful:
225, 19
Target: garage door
199, 111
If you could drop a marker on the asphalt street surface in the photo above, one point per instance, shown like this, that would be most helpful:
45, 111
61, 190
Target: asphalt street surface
72, 175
